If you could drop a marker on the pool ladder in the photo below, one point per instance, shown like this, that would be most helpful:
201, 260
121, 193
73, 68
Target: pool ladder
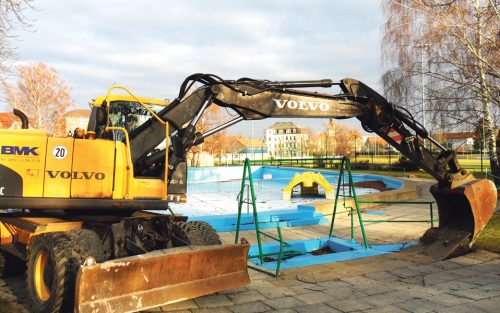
250, 200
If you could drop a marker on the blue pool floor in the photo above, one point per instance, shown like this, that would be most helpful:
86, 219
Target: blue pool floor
342, 250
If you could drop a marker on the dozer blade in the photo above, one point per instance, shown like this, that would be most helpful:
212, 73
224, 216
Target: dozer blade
463, 213
160, 277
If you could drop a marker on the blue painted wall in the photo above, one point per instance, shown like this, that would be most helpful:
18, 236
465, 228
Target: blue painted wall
217, 174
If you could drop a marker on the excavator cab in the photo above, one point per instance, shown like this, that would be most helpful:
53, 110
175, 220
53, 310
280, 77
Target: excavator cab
130, 113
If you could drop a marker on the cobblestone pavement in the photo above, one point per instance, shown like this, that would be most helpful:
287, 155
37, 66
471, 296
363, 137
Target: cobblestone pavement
398, 282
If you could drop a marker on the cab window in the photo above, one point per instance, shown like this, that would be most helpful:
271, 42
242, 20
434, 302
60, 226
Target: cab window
129, 115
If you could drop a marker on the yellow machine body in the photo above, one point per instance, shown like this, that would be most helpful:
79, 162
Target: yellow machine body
71, 168
57, 179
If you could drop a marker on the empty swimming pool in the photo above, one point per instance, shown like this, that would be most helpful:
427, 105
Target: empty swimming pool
214, 190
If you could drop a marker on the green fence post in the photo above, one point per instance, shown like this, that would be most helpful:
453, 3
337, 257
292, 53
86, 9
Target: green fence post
278, 265
351, 212
255, 215
240, 203
341, 174
351, 186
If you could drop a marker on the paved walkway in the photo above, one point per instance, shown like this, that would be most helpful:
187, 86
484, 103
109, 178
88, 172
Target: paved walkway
398, 282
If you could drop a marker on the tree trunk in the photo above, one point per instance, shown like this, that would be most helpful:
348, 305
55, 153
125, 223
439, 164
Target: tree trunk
490, 130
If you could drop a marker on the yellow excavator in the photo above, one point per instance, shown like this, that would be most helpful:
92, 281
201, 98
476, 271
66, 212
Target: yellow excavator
77, 209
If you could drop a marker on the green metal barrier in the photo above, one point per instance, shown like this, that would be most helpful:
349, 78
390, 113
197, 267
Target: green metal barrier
261, 256
325, 162
431, 211
494, 178
345, 165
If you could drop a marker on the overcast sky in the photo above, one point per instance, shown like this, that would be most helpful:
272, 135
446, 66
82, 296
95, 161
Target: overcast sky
151, 46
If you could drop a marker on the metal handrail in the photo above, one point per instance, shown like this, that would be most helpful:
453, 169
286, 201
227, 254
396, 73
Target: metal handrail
258, 232
431, 211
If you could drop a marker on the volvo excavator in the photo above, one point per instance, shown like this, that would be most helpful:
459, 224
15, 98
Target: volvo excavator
77, 209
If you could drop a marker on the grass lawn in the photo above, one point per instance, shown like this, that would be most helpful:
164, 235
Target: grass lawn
384, 160
489, 239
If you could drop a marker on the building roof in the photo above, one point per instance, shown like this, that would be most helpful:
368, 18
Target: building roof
251, 143
78, 113
283, 125
7, 119
376, 140
448, 136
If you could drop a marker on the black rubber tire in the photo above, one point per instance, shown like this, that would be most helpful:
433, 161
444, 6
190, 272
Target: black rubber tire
187, 234
86, 243
11, 265
3, 264
208, 233
67, 251
61, 278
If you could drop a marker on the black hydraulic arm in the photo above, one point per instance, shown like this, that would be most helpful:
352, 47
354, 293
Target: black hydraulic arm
258, 99
398, 128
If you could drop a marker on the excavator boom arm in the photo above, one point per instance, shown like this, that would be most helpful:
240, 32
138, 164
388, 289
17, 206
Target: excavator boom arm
465, 204
258, 99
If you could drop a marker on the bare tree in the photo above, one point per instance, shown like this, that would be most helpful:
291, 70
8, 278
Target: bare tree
446, 58
213, 116
41, 94
11, 16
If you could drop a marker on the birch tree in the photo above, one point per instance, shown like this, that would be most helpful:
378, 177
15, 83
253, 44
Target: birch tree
445, 57
40, 94
11, 17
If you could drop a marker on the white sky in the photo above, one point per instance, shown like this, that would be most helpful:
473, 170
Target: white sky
150, 46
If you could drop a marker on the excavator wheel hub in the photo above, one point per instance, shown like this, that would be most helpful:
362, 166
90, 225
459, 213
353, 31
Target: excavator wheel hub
43, 276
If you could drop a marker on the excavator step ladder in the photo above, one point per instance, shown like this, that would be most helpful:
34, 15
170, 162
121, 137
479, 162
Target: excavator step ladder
247, 175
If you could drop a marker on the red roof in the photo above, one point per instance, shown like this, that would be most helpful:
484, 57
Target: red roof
251, 143
78, 113
376, 140
7, 119
448, 136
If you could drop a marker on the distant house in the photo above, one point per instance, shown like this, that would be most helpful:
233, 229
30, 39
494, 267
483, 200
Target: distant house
9, 120
286, 140
243, 148
460, 142
375, 144
76, 119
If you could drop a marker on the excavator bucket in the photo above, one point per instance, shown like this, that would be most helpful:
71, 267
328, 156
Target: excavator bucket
160, 277
463, 213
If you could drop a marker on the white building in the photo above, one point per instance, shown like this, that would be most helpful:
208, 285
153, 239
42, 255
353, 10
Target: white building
76, 119
286, 140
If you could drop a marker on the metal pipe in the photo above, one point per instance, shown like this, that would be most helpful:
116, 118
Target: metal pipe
23, 118
202, 109
302, 83
221, 127
436, 143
